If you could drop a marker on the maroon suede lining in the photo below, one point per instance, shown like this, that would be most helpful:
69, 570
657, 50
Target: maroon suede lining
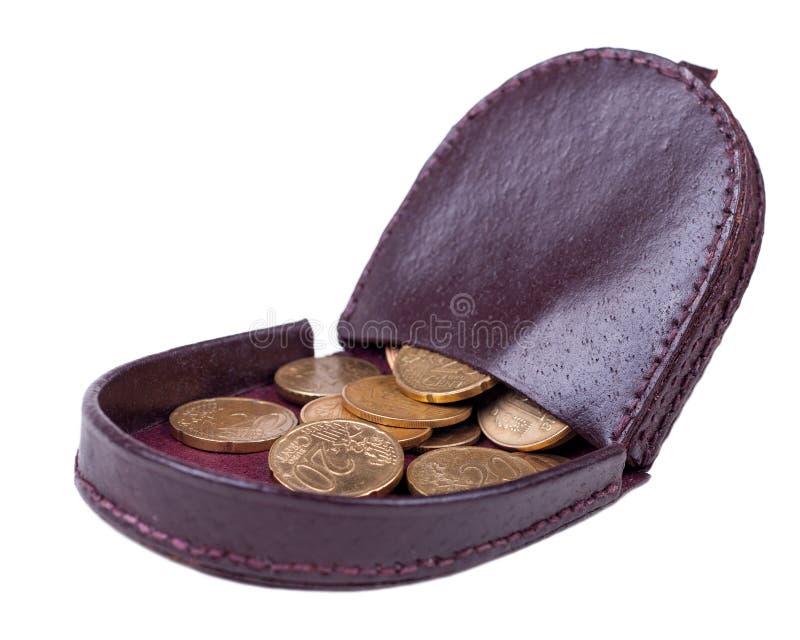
254, 466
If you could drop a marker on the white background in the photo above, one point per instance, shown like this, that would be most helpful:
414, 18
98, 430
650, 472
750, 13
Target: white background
171, 172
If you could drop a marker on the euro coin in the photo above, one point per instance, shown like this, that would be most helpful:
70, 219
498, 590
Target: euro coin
310, 378
379, 399
337, 457
513, 421
460, 435
330, 408
461, 469
230, 425
430, 377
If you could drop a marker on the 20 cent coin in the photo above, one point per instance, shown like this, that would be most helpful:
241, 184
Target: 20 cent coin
339, 457
461, 469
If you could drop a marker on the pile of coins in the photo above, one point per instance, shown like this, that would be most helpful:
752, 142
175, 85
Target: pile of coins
356, 423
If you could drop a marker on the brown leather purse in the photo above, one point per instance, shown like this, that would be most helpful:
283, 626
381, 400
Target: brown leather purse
596, 219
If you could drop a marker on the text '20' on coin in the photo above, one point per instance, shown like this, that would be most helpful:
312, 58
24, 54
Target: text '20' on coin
461, 469
308, 378
331, 408
513, 421
230, 425
378, 399
339, 457
431, 377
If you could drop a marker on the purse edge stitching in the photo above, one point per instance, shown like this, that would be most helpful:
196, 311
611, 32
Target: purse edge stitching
185, 547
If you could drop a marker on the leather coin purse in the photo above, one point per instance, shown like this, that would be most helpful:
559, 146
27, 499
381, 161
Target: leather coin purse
584, 234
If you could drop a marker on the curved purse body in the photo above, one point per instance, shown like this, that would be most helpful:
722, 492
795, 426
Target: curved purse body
584, 234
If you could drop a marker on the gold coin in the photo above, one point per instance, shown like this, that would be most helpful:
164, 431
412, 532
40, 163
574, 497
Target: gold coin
461, 469
407, 437
310, 378
430, 377
378, 399
515, 422
330, 408
325, 408
460, 435
230, 425
390, 353
339, 457
540, 461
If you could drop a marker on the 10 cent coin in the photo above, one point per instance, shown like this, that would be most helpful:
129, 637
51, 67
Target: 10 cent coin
330, 408
461, 435
309, 378
515, 422
431, 377
379, 399
230, 425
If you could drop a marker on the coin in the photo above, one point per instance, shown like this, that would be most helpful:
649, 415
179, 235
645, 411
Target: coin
462, 468
540, 461
310, 378
430, 377
330, 408
515, 422
407, 437
325, 408
390, 353
340, 457
230, 425
460, 435
378, 399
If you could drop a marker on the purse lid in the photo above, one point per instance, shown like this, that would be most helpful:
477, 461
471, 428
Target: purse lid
568, 237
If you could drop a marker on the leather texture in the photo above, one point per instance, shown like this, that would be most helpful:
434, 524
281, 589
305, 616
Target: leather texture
606, 202
584, 235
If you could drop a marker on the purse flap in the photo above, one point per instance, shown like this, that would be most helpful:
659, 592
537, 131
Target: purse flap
565, 234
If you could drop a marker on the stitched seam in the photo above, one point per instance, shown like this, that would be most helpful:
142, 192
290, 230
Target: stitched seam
705, 353
397, 568
706, 99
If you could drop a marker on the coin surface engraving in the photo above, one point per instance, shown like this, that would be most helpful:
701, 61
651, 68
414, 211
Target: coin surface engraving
331, 408
379, 399
310, 378
341, 457
515, 422
230, 425
460, 435
461, 469
431, 377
